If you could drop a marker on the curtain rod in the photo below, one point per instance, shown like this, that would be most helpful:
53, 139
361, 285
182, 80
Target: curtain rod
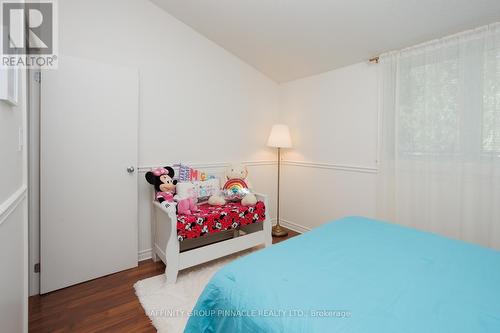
495, 27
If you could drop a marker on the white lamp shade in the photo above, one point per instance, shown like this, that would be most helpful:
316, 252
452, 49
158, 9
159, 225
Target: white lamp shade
280, 137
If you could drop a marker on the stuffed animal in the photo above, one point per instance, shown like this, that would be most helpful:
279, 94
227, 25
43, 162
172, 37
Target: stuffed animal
216, 200
186, 201
236, 188
164, 184
186, 206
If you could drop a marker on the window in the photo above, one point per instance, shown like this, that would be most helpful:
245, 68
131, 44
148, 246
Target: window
491, 104
429, 118
448, 103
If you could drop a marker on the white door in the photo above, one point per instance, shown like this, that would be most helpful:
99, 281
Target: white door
89, 124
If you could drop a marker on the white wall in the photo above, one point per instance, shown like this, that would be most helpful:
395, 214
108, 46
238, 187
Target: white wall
203, 106
331, 171
13, 217
198, 103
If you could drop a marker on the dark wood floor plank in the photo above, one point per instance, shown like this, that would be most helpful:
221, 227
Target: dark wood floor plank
107, 304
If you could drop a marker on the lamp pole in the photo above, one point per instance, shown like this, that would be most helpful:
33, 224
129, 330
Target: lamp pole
278, 231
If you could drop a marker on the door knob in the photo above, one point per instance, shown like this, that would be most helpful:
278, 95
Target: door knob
130, 169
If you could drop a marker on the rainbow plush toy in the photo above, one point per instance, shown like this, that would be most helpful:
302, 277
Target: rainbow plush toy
236, 187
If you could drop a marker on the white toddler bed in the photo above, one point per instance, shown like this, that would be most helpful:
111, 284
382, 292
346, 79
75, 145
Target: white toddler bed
177, 256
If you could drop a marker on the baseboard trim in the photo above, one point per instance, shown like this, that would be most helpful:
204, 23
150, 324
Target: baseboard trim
145, 254
12, 202
294, 226
213, 165
329, 166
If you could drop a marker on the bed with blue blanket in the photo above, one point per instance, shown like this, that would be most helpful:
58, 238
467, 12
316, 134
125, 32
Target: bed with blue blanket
356, 275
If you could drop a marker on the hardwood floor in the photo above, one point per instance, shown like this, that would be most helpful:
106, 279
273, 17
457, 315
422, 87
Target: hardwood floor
107, 304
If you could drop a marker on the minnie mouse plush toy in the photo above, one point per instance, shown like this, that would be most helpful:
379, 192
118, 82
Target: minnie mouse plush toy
162, 180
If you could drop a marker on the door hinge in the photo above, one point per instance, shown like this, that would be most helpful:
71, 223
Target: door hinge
36, 269
38, 77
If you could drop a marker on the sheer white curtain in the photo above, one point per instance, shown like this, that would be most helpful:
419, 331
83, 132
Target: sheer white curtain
440, 136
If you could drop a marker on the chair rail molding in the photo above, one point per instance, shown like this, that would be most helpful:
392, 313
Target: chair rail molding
211, 165
10, 205
331, 166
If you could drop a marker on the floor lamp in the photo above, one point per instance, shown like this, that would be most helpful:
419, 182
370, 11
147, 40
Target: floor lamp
279, 138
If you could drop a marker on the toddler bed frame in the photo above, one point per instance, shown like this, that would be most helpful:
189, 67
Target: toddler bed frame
180, 255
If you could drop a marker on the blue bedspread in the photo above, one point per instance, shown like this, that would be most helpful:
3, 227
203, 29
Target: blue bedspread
356, 275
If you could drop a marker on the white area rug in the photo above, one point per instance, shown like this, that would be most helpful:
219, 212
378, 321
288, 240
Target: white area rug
168, 306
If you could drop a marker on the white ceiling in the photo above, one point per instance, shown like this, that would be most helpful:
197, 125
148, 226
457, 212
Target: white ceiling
290, 39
